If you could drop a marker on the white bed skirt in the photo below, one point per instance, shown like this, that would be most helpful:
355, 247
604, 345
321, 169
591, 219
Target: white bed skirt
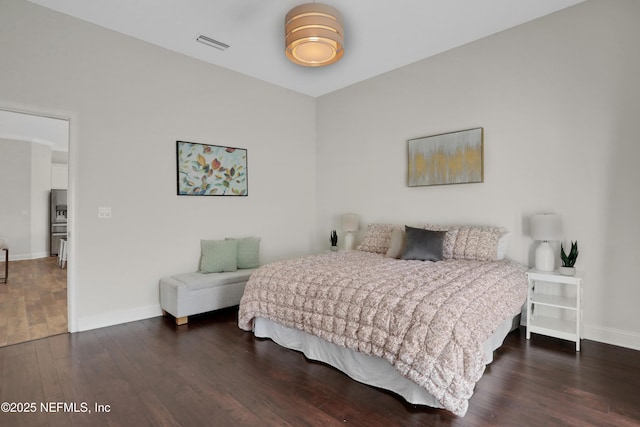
361, 367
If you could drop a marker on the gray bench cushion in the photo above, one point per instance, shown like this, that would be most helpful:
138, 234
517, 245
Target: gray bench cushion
198, 280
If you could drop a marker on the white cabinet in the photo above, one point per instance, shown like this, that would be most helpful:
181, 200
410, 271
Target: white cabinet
551, 290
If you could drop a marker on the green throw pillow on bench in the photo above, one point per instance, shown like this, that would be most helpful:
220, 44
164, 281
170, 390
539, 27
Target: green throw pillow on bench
248, 252
218, 256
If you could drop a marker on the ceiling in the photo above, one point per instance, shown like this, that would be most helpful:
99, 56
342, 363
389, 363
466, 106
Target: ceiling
380, 35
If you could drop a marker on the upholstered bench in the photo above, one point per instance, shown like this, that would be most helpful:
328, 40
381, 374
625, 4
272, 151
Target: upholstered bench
184, 295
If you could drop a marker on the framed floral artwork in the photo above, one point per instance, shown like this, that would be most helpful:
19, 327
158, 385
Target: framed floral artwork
211, 170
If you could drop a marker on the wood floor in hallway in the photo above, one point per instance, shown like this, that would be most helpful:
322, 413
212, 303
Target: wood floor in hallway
33, 302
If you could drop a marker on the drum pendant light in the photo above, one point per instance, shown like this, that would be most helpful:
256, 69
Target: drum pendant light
314, 36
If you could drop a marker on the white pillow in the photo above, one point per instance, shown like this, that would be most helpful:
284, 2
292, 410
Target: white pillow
396, 246
503, 244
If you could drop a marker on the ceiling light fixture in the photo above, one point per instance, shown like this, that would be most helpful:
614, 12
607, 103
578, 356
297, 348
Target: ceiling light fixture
314, 36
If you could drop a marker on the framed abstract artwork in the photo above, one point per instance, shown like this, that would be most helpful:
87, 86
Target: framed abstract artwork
449, 158
211, 170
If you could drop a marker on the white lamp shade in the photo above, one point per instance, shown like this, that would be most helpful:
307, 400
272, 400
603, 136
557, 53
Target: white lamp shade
546, 227
350, 222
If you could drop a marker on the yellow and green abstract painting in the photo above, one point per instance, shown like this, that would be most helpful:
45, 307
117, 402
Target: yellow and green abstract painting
450, 158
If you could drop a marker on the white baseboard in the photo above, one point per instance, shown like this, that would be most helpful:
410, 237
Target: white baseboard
118, 317
612, 336
25, 257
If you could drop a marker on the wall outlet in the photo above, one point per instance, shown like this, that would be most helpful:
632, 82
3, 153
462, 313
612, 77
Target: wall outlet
104, 212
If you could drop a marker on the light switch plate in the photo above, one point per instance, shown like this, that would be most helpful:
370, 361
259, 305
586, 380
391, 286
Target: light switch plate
104, 212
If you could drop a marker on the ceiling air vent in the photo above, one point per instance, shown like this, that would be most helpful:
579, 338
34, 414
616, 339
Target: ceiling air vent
212, 42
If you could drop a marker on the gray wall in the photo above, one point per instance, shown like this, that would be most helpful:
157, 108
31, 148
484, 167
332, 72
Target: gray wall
559, 100
15, 191
129, 102
25, 170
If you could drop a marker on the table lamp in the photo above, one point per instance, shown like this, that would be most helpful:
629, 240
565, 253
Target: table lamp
545, 227
350, 224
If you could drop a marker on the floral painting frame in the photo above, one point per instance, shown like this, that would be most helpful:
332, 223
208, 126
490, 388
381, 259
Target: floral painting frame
211, 170
449, 158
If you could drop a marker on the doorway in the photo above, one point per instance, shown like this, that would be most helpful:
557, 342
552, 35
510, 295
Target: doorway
33, 161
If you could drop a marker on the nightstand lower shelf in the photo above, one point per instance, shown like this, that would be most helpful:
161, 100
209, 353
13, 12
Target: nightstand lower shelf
558, 328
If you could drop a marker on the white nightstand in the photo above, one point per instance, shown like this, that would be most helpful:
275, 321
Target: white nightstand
551, 289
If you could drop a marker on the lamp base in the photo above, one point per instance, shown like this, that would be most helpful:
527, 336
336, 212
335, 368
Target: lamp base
545, 257
348, 241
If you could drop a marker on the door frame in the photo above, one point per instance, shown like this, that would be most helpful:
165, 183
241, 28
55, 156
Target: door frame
73, 163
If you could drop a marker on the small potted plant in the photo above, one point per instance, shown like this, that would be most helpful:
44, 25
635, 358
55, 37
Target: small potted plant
334, 240
568, 261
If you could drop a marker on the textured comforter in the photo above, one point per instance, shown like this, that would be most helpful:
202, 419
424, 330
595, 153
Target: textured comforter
427, 319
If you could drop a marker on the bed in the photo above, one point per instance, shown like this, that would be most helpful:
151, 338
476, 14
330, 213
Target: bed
423, 329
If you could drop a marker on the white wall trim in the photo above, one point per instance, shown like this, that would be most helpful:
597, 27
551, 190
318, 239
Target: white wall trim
612, 336
72, 228
26, 138
118, 317
24, 257
74, 165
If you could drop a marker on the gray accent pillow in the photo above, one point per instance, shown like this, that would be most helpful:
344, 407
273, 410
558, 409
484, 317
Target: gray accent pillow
423, 245
449, 239
218, 256
248, 252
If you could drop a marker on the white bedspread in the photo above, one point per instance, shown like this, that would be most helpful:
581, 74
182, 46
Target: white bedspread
428, 320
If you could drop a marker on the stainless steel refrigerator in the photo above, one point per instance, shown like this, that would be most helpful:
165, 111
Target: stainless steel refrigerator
58, 220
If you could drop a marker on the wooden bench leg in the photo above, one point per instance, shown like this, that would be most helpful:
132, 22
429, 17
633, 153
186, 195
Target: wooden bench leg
182, 320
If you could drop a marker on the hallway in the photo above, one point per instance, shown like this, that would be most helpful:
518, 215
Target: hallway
33, 303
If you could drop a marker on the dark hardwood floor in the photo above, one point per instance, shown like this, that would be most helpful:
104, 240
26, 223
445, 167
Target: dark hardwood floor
210, 373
